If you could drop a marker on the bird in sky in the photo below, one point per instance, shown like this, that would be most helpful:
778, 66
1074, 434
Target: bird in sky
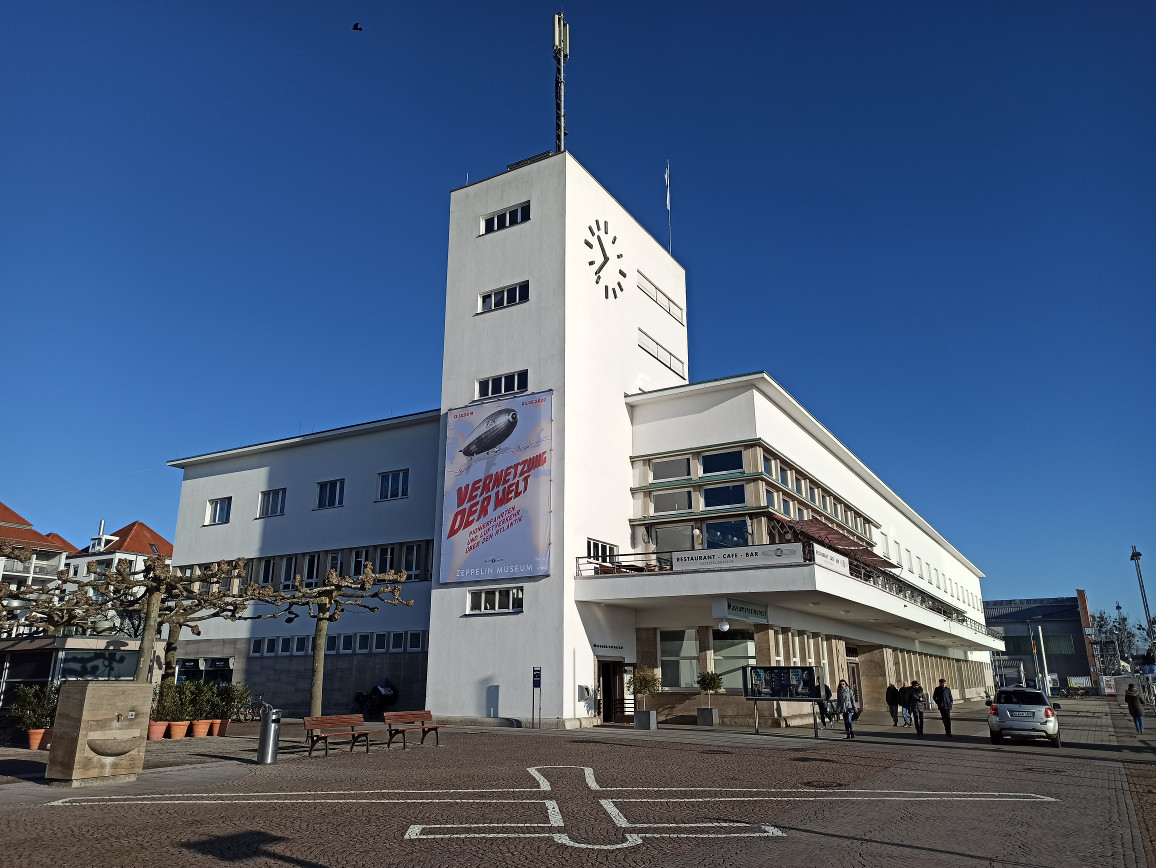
357, 25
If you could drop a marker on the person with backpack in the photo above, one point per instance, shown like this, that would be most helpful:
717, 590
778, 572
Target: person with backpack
915, 701
1135, 707
904, 698
944, 701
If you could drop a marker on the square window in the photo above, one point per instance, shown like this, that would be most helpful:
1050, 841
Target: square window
271, 503
393, 484
218, 510
330, 494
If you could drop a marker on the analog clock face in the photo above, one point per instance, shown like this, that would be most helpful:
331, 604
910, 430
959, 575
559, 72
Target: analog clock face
605, 259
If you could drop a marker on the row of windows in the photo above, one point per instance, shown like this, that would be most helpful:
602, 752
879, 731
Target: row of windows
495, 600
341, 643
504, 384
808, 494
654, 348
412, 558
659, 297
506, 218
519, 293
391, 485
916, 566
678, 653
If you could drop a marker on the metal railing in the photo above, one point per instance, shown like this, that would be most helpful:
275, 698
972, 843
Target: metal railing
663, 562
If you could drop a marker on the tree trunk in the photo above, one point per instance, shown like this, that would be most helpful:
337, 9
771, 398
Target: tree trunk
320, 628
171, 639
148, 638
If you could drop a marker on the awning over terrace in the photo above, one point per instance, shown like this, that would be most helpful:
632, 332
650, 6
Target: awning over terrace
841, 543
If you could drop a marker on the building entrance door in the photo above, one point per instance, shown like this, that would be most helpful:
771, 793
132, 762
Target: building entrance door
612, 691
854, 683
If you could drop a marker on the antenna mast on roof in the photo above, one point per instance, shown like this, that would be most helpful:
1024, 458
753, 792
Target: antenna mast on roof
561, 54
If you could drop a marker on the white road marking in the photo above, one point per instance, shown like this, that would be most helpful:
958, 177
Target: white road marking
631, 833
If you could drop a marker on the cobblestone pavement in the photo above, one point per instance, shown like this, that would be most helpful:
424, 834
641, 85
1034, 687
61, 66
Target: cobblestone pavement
678, 797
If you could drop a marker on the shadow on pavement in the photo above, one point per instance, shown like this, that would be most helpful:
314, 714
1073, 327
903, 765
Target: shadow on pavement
243, 846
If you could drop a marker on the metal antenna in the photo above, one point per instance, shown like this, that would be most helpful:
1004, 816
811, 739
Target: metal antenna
561, 54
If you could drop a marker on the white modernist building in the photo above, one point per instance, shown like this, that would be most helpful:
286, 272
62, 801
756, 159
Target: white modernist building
639, 519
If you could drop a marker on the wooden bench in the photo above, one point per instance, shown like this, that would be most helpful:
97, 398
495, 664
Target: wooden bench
397, 720
339, 726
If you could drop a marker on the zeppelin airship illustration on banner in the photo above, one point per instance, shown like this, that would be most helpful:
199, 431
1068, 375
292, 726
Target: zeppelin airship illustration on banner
496, 506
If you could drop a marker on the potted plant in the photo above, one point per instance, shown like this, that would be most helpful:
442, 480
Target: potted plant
200, 709
219, 709
237, 699
708, 683
174, 701
643, 683
158, 724
33, 709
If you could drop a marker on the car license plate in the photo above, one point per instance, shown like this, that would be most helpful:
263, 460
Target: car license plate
1022, 713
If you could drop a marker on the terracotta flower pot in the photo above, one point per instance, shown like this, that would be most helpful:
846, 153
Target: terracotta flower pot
219, 727
36, 736
201, 728
157, 729
178, 728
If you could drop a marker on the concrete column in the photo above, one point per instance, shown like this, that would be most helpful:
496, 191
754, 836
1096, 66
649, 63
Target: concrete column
764, 645
646, 646
873, 674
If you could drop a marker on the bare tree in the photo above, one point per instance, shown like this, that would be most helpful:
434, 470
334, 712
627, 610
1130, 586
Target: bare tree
325, 604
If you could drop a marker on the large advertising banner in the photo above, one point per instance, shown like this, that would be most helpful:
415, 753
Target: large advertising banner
496, 507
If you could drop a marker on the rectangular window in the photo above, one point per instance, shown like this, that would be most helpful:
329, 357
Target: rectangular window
288, 572
396, 642
331, 644
301, 645
256, 647
784, 477
727, 534
669, 468
270, 647
910, 566
723, 462
812, 495
673, 537
218, 510
506, 218
659, 297
651, 346
272, 503
678, 657
769, 466
919, 565
733, 650
268, 570
309, 574
416, 641
826, 504
330, 494
786, 510
496, 600
360, 559
724, 495
381, 642
669, 501
346, 644
519, 293
385, 559
364, 643
504, 384
393, 485
335, 562
600, 551
798, 486
286, 645
413, 561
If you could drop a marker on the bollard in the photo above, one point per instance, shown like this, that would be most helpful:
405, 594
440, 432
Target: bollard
270, 732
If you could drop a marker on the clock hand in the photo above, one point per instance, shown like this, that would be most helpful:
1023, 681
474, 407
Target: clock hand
605, 257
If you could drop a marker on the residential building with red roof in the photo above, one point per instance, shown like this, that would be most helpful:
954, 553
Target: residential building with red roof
136, 542
48, 551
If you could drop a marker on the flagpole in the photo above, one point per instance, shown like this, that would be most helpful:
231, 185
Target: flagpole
668, 207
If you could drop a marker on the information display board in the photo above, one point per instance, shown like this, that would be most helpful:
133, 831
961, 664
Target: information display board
781, 682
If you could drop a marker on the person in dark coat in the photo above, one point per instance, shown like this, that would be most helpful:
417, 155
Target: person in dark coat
825, 712
904, 698
944, 701
845, 707
915, 701
1135, 706
893, 703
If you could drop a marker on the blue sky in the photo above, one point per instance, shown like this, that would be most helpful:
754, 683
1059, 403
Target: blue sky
226, 222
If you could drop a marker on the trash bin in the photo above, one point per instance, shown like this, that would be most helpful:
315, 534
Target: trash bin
270, 732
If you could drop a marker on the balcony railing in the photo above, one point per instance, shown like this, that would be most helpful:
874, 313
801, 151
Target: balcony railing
662, 562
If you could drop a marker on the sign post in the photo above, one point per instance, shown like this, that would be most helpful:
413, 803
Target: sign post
536, 697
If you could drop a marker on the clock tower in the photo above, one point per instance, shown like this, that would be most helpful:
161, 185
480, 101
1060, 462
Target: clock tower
551, 287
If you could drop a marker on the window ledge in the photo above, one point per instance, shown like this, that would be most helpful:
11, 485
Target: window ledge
321, 508
388, 499
487, 614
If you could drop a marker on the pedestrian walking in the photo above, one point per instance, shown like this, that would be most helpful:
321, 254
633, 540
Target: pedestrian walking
1135, 707
904, 698
915, 701
893, 703
845, 707
944, 701
825, 712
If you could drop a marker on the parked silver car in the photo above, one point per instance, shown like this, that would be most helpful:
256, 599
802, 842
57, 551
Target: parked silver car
1023, 712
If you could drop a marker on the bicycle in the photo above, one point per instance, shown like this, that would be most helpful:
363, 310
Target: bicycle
253, 712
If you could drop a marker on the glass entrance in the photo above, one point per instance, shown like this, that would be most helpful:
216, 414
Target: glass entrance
612, 691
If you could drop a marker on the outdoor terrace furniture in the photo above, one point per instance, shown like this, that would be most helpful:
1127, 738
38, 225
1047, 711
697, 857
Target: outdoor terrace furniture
397, 722
336, 726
